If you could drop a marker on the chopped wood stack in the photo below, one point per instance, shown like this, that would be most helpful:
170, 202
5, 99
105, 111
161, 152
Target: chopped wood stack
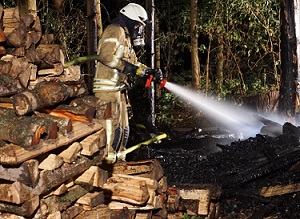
27, 57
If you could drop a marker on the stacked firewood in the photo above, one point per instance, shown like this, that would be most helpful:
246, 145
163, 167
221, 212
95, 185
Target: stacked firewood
52, 149
27, 56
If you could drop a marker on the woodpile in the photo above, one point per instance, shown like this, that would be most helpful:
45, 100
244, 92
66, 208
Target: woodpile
52, 149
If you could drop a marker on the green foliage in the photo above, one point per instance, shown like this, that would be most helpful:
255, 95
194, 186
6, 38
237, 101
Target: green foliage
248, 30
69, 27
9, 3
186, 216
165, 108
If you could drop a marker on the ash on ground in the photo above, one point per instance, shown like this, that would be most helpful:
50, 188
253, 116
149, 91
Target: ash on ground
240, 167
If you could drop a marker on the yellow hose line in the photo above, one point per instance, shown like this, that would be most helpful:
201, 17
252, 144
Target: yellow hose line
156, 138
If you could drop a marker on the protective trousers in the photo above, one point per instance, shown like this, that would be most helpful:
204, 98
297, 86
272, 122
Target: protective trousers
116, 127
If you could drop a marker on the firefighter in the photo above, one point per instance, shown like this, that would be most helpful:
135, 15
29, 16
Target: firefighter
117, 62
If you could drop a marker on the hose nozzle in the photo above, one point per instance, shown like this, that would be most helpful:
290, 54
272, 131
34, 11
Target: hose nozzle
162, 83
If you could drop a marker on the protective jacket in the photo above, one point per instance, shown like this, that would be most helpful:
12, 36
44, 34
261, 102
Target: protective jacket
114, 48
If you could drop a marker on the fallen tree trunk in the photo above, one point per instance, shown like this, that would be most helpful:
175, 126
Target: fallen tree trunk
47, 94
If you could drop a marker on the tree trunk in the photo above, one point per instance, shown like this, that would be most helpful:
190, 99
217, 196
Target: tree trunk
220, 64
288, 62
91, 41
150, 6
99, 19
194, 46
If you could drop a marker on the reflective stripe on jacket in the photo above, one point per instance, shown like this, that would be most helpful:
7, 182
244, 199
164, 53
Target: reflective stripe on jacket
114, 46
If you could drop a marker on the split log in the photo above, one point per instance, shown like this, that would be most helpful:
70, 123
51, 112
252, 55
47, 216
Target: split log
93, 176
16, 37
55, 215
59, 203
71, 74
71, 212
70, 154
64, 124
31, 56
8, 85
2, 36
19, 193
57, 70
49, 54
83, 113
91, 199
2, 50
52, 162
61, 190
147, 168
27, 173
122, 213
26, 209
133, 190
48, 127
99, 212
144, 215
6, 63
103, 108
47, 38
46, 94
202, 196
92, 143
51, 179
116, 205
22, 131
6, 102
19, 66
16, 193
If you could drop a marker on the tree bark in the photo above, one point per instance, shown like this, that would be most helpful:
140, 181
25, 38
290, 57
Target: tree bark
288, 62
194, 46
24, 131
220, 64
91, 40
46, 94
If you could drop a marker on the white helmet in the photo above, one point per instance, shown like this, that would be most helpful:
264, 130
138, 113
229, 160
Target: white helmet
135, 12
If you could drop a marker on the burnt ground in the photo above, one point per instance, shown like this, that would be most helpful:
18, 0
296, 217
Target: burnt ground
240, 167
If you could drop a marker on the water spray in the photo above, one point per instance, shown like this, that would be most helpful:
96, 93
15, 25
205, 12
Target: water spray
234, 118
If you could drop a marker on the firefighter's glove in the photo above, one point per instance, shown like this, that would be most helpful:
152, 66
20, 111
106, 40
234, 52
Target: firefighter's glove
129, 69
158, 76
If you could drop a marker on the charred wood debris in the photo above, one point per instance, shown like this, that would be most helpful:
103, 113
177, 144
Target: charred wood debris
52, 151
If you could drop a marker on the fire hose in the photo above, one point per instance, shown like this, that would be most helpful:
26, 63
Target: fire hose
137, 146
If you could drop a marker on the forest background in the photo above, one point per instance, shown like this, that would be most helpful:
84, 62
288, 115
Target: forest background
238, 44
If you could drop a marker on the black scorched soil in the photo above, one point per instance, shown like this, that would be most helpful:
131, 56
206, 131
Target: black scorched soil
240, 167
